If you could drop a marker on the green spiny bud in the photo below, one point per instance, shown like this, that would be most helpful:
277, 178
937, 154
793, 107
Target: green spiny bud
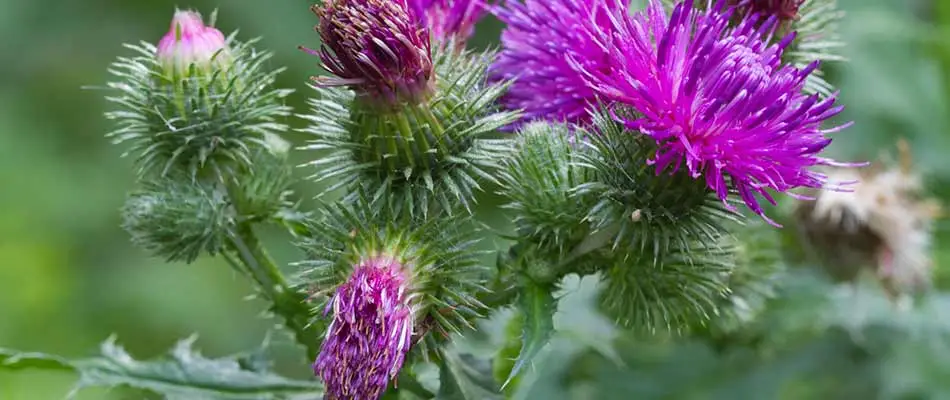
680, 289
178, 219
439, 267
197, 103
538, 181
649, 212
429, 155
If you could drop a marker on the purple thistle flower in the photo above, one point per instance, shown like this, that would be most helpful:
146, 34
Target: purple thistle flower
189, 41
449, 19
376, 48
539, 42
718, 99
371, 331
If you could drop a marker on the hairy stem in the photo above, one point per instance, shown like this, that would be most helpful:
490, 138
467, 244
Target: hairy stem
286, 301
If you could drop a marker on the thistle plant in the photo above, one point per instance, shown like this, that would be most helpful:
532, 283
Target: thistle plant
621, 141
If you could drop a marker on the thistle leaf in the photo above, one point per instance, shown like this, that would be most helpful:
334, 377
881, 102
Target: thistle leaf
182, 374
537, 306
465, 377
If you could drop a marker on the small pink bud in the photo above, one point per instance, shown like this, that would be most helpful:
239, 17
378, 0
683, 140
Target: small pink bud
189, 41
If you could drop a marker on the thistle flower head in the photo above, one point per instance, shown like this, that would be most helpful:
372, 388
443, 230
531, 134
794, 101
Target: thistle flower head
190, 42
449, 19
371, 332
376, 48
540, 39
719, 100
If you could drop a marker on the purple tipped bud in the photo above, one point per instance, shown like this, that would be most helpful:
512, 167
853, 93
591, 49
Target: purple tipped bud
371, 331
376, 48
784, 10
189, 41
449, 19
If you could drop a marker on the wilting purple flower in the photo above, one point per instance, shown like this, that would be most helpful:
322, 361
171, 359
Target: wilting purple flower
449, 19
784, 10
376, 48
720, 99
189, 41
370, 334
540, 38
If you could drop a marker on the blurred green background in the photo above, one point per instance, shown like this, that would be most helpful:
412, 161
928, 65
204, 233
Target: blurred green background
69, 277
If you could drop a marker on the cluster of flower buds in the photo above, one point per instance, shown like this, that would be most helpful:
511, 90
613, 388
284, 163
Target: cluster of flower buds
639, 134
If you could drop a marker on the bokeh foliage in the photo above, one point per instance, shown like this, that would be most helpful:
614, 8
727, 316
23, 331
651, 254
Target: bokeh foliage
70, 277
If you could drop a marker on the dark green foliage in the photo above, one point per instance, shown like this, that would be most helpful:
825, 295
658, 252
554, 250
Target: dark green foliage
199, 121
427, 156
649, 213
465, 377
178, 219
182, 374
444, 268
681, 288
536, 306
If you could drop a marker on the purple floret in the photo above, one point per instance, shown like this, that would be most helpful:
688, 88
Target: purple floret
370, 334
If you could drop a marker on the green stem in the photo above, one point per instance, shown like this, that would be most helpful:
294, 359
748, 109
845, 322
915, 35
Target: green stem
286, 302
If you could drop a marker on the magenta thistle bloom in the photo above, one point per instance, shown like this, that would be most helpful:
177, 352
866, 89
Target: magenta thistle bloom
449, 19
718, 99
376, 48
540, 38
189, 41
371, 331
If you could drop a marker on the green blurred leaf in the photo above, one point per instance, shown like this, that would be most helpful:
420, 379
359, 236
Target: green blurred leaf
465, 377
537, 305
182, 374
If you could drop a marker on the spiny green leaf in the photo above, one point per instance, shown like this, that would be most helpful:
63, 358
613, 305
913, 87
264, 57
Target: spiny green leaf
182, 374
537, 305
465, 377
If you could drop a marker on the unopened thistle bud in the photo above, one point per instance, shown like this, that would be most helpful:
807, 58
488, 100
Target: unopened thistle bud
399, 129
393, 286
197, 102
376, 48
371, 332
189, 42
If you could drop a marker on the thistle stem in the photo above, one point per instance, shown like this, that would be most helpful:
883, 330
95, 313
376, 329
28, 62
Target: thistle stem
285, 301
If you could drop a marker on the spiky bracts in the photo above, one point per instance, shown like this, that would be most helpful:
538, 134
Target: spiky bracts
432, 156
681, 288
647, 212
718, 101
436, 257
376, 48
205, 120
539, 179
178, 220
371, 331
